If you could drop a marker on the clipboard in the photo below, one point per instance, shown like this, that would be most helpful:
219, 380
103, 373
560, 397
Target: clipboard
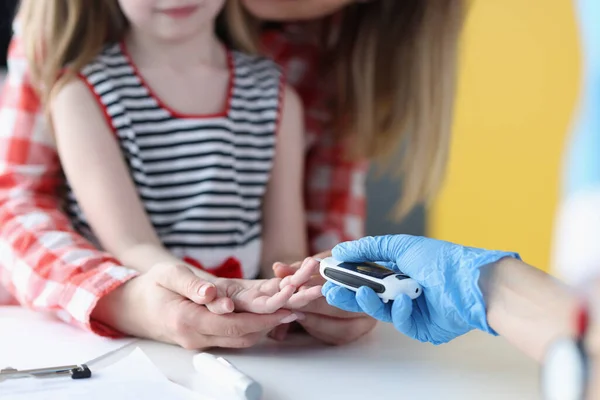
130, 377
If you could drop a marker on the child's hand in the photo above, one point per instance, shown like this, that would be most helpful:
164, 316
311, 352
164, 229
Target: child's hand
302, 274
265, 296
262, 296
322, 321
306, 278
256, 296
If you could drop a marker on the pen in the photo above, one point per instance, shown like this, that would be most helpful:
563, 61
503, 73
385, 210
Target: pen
74, 371
225, 374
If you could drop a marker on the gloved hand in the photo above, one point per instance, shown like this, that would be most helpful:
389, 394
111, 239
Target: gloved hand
451, 304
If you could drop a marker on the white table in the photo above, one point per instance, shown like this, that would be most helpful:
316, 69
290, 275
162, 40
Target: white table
383, 365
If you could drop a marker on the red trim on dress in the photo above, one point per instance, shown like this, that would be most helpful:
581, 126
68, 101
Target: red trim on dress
174, 113
107, 117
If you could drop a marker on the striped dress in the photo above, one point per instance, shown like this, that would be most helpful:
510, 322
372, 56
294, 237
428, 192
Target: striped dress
201, 178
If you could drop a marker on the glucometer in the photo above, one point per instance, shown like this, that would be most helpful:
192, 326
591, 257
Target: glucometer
385, 282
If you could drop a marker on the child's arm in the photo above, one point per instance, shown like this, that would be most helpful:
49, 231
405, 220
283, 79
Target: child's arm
95, 168
284, 225
100, 179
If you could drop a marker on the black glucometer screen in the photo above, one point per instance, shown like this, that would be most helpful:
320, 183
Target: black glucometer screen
368, 268
352, 280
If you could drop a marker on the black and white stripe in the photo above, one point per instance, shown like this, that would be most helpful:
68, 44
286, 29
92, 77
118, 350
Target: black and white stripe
201, 179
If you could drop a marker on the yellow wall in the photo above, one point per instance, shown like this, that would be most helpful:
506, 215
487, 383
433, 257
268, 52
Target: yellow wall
517, 89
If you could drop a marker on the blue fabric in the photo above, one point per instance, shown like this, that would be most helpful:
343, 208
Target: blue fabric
451, 304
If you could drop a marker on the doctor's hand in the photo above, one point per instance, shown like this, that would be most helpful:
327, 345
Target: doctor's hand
451, 304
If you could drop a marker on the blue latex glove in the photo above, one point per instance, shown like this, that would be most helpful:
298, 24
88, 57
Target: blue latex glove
451, 304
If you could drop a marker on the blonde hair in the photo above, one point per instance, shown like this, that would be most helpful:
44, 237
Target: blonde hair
394, 62
68, 33
60, 33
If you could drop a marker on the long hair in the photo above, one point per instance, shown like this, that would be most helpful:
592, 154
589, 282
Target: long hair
60, 33
395, 65
70, 33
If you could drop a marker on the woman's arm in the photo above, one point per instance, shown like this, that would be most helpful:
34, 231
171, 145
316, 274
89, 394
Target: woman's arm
101, 182
334, 185
44, 263
528, 307
284, 227
335, 189
464, 288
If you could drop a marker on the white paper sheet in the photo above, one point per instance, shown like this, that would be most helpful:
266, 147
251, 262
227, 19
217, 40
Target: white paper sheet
133, 377
33, 340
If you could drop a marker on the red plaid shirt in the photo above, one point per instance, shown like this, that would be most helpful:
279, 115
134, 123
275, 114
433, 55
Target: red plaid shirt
46, 265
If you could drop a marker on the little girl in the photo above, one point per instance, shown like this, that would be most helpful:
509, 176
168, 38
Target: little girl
176, 149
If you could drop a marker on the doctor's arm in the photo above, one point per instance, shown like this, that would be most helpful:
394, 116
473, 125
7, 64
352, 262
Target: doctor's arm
464, 288
527, 306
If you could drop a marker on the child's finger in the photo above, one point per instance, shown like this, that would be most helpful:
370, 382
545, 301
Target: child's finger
307, 270
289, 272
285, 282
271, 286
315, 280
303, 297
270, 304
222, 305
282, 270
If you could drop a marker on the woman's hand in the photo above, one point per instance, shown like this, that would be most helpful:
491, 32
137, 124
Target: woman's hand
168, 304
258, 296
322, 321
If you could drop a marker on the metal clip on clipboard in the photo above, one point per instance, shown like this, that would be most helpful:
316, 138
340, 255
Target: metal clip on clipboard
74, 371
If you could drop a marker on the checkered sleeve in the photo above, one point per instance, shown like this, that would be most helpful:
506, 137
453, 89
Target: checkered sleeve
334, 196
44, 263
334, 186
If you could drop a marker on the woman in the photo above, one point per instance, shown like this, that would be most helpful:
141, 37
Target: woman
392, 64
